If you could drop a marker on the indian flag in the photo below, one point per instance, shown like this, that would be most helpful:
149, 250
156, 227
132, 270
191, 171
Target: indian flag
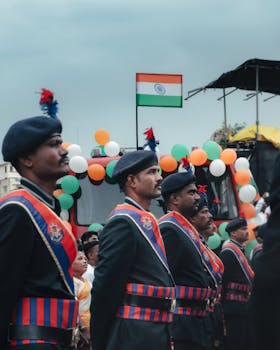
162, 90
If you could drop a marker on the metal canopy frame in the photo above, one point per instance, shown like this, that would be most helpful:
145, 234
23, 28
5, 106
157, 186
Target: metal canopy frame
256, 75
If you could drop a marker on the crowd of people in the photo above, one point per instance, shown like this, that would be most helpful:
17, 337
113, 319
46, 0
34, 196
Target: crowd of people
141, 283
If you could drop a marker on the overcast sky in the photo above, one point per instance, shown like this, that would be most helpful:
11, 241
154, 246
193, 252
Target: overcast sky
88, 51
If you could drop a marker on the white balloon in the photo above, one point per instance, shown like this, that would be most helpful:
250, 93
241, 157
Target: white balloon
74, 150
78, 164
217, 167
247, 193
242, 163
64, 215
112, 148
260, 219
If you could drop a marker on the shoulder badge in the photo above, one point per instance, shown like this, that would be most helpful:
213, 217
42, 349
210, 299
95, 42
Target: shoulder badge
56, 234
146, 223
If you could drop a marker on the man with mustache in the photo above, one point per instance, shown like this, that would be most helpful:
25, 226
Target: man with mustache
237, 285
188, 260
133, 292
202, 220
37, 302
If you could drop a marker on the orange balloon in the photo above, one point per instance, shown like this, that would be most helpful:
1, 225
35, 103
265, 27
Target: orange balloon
242, 177
102, 137
57, 192
248, 210
252, 234
228, 155
66, 144
96, 172
198, 157
168, 163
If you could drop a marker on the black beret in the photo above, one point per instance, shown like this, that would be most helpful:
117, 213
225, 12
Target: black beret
203, 201
87, 246
27, 134
133, 163
260, 230
236, 225
175, 182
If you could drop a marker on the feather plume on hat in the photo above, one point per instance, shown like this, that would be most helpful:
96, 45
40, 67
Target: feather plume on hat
48, 104
150, 138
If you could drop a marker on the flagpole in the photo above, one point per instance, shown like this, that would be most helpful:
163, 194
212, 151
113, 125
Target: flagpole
136, 127
136, 121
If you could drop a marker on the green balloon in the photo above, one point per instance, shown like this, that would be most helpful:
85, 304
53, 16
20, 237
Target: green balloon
212, 149
66, 201
95, 227
214, 241
250, 246
223, 232
110, 167
70, 184
179, 151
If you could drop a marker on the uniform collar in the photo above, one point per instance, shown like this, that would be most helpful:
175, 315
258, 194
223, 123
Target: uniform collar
240, 246
131, 201
36, 191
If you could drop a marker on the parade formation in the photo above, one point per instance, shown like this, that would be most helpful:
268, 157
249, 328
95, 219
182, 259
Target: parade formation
187, 274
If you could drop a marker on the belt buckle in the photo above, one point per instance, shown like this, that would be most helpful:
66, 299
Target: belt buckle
173, 305
75, 336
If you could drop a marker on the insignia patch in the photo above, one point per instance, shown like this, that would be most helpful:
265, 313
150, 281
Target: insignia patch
206, 256
56, 234
193, 236
146, 223
159, 89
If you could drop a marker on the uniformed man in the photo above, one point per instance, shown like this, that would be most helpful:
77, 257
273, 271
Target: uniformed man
265, 295
203, 222
133, 291
189, 261
237, 284
37, 303
257, 250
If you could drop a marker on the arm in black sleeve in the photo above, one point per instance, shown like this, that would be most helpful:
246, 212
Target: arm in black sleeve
173, 245
229, 261
116, 254
16, 244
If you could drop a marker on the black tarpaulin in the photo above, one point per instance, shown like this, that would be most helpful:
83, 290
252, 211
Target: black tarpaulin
244, 77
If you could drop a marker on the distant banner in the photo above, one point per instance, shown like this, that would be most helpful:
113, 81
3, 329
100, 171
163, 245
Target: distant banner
159, 90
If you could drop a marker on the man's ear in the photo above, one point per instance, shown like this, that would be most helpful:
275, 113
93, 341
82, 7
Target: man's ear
25, 161
173, 199
131, 180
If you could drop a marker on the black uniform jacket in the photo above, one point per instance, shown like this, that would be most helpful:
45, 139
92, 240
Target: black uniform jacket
125, 256
188, 270
266, 289
26, 266
233, 273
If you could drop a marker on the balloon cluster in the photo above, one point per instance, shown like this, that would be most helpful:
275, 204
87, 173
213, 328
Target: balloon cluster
110, 148
79, 165
218, 159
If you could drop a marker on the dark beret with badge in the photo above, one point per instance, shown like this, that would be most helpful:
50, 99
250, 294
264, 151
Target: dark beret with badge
175, 182
236, 225
133, 163
203, 200
26, 135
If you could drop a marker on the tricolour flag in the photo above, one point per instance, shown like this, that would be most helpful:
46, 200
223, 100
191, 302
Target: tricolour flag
162, 90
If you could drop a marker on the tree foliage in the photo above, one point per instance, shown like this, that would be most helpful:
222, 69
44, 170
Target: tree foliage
221, 135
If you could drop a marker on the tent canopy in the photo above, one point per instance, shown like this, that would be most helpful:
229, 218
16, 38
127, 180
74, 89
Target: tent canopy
244, 77
266, 133
250, 75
